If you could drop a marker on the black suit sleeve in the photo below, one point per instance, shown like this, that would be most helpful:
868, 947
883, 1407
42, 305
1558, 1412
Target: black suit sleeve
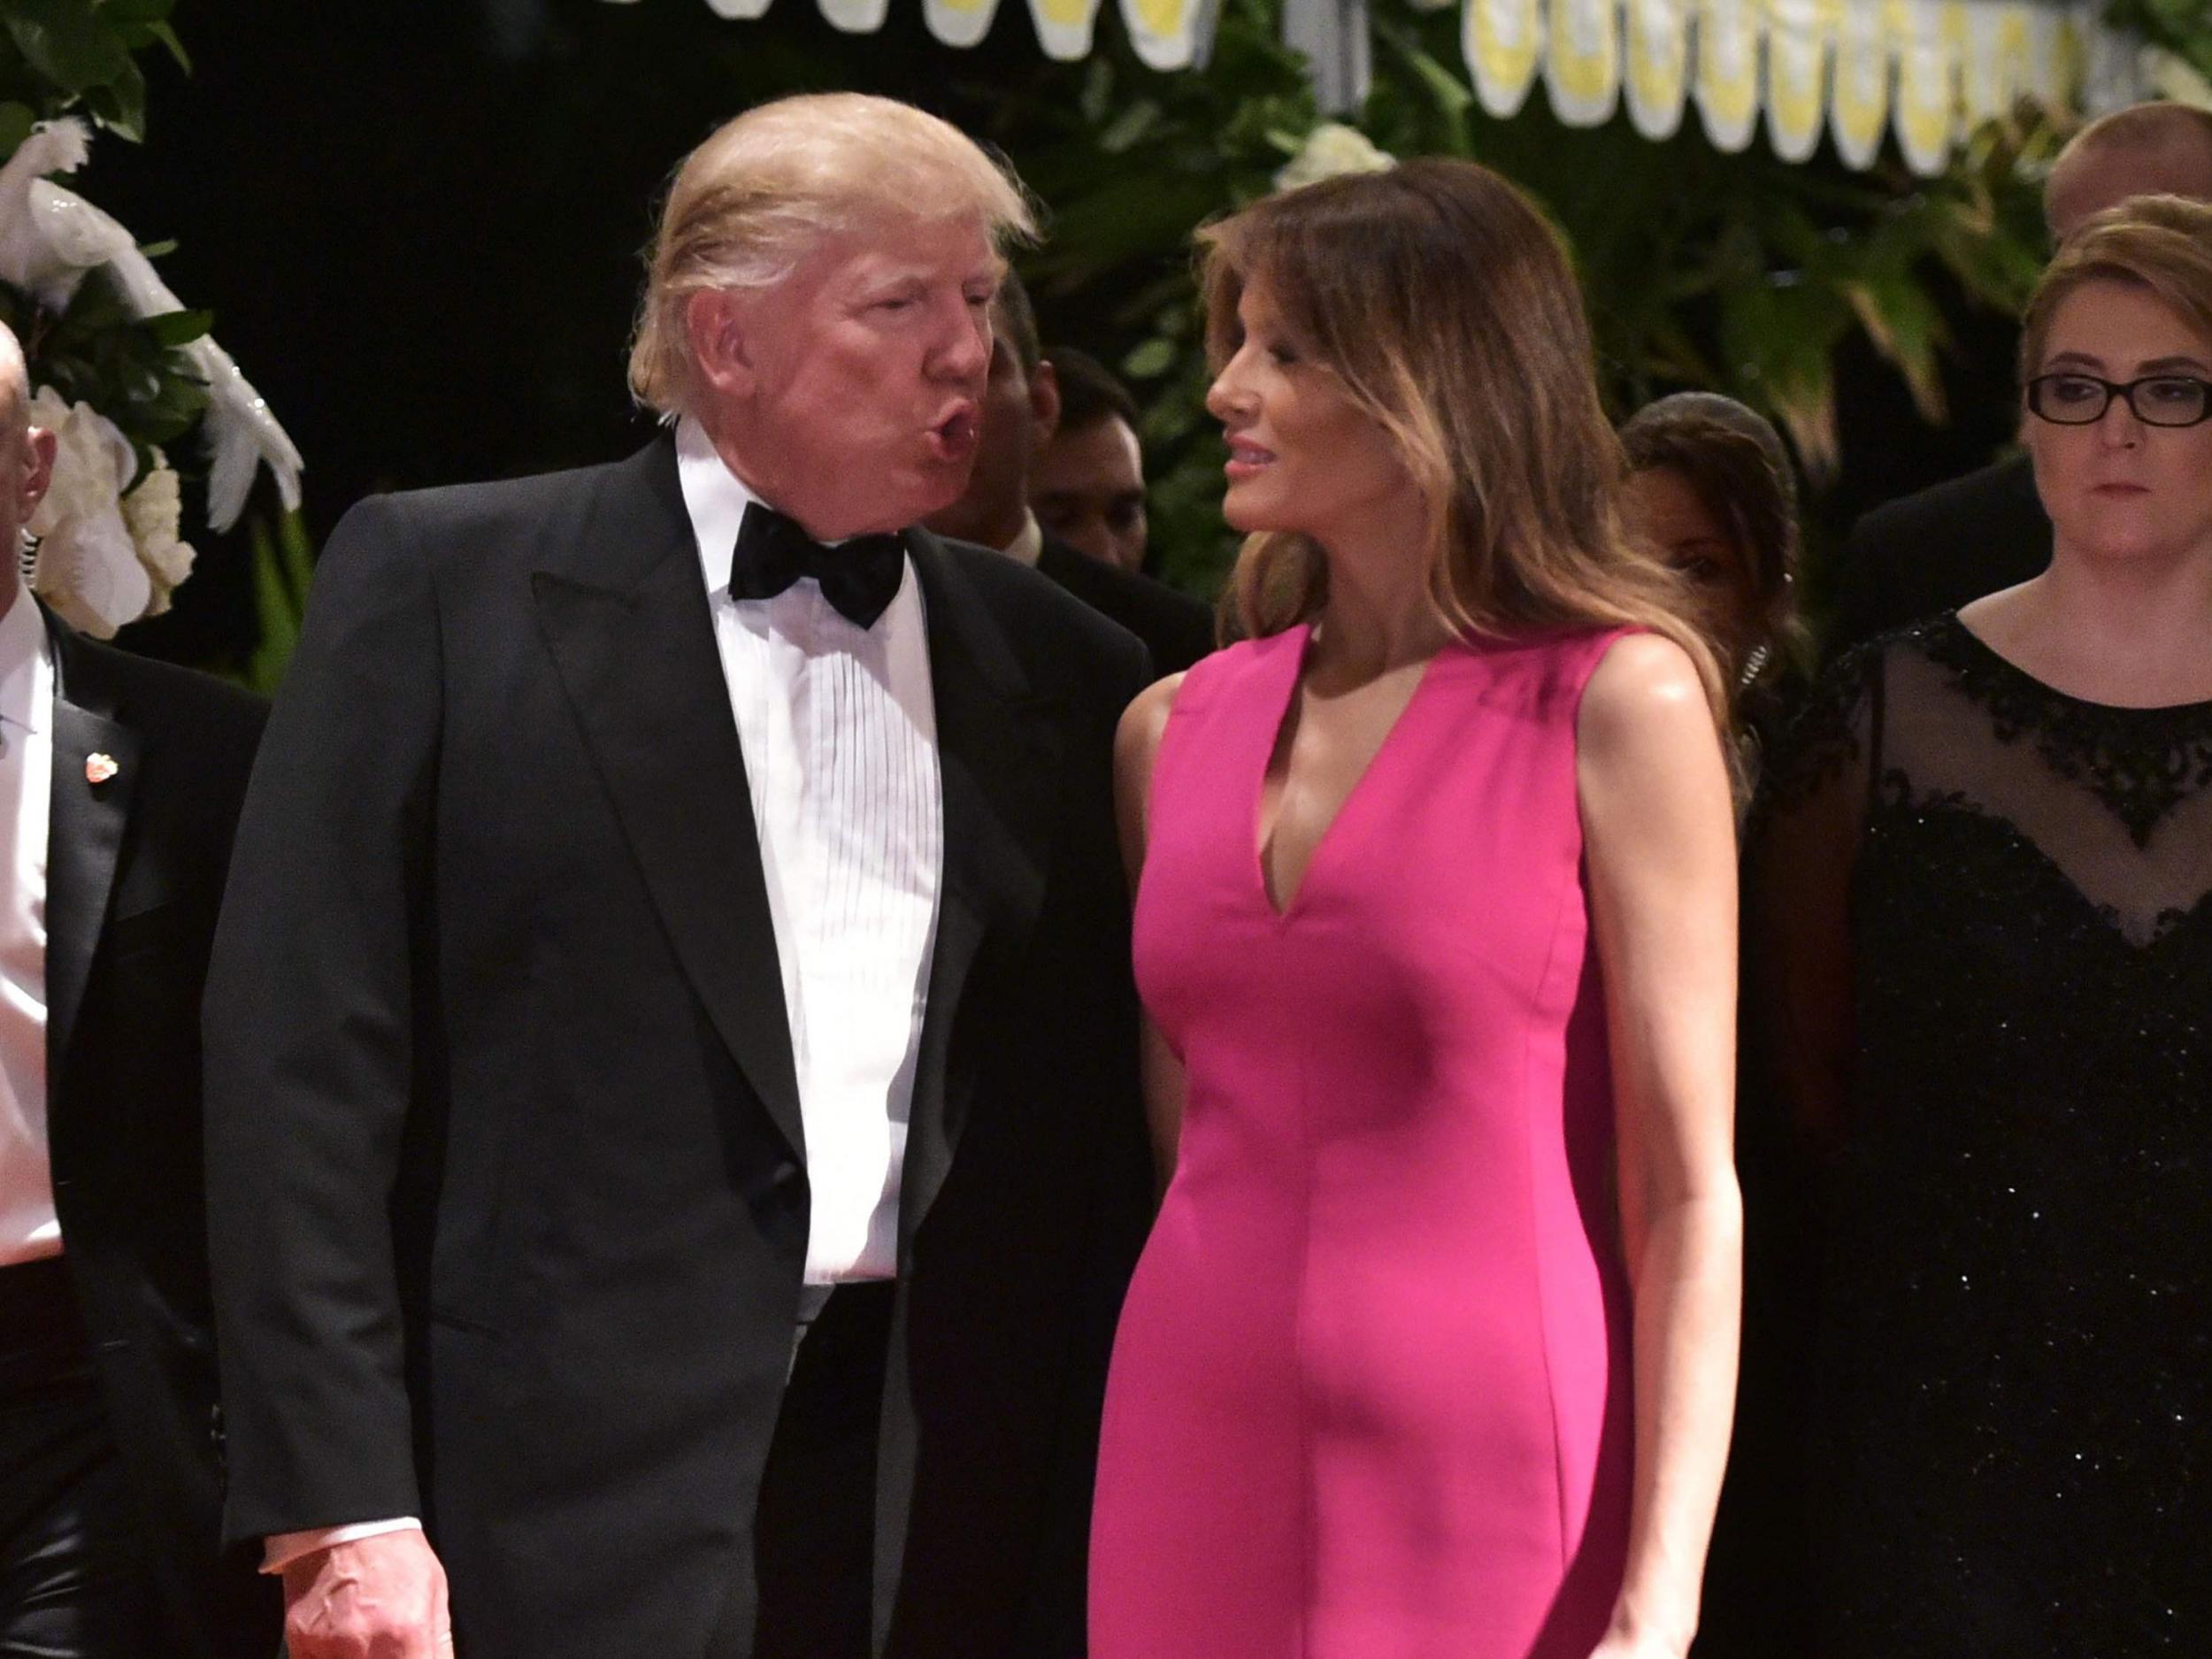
1053, 1624
310, 1027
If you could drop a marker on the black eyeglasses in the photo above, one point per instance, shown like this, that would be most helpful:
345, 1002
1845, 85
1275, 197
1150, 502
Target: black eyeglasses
2158, 400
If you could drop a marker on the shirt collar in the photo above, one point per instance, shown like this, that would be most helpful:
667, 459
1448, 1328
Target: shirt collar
1029, 543
23, 655
715, 498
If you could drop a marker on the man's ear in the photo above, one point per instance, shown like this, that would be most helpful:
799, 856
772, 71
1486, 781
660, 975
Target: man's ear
1044, 400
39, 448
718, 323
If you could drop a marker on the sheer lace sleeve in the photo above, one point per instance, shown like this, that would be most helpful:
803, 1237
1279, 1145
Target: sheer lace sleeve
1802, 843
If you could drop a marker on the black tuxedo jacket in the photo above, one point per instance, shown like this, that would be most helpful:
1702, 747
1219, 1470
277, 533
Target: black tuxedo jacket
1176, 628
133, 875
1940, 548
503, 1132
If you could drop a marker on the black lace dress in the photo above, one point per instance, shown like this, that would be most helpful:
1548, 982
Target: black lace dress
1979, 938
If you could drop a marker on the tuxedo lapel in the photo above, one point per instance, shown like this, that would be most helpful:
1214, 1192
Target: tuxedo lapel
84, 836
624, 612
999, 751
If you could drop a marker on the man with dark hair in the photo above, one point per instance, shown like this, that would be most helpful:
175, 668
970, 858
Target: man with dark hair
1936, 550
119, 786
1021, 410
1086, 485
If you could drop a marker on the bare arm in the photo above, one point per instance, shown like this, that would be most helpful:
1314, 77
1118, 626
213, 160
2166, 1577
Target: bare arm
1136, 743
1660, 833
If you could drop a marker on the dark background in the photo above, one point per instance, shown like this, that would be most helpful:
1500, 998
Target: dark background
419, 227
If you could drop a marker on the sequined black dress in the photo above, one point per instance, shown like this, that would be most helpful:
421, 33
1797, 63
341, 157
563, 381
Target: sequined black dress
1980, 945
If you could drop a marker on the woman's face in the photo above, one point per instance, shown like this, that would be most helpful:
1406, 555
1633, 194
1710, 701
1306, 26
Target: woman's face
2120, 488
1303, 457
1671, 518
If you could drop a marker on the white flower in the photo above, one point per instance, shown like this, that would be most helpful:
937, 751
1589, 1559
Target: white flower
1332, 149
152, 512
2168, 75
50, 236
89, 567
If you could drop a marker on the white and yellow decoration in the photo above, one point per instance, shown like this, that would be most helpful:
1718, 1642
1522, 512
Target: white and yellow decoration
1928, 71
1503, 41
1657, 76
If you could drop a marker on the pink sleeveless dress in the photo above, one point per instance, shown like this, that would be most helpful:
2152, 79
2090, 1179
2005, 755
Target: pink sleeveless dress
1370, 1398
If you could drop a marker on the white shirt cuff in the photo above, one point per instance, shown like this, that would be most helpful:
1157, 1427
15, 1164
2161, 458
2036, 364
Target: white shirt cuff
278, 1550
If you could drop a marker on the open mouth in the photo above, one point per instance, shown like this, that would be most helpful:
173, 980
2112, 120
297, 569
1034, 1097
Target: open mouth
956, 432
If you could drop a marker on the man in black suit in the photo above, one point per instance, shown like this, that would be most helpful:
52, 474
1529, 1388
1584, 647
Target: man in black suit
1950, 544
1021, 409
672, 1101
1087, 479
119, 786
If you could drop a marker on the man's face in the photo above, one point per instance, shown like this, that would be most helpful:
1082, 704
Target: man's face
861, 378
1086, 487
1019, 412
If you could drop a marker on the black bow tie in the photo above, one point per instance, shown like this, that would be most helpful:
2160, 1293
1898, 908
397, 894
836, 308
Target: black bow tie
860, 577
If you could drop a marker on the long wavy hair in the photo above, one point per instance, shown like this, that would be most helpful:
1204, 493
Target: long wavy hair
1445, 305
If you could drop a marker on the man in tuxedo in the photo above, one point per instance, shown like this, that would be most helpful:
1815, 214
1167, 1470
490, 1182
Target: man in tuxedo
1021, 409
672, 1105
1952, 543
119, 786
1086, 483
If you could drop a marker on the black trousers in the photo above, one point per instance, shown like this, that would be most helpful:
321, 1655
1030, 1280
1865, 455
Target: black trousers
814, 1537
72, 1583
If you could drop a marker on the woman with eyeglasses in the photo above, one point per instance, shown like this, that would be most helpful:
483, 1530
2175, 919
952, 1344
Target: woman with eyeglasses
1979, 940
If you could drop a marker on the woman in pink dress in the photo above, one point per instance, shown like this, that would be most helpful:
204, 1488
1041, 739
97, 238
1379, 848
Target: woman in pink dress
1431, 1352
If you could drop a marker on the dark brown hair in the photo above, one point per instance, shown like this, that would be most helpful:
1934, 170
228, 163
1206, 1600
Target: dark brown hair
1733, 462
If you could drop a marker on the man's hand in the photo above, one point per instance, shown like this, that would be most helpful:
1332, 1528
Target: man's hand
375, 1598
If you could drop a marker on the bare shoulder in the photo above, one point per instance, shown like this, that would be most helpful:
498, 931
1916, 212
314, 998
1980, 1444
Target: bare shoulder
1651, 772
1645, 690
1143, 723
1136, 743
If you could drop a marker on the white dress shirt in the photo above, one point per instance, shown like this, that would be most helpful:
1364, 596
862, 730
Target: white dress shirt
1029, 546
28, 1229
839, 731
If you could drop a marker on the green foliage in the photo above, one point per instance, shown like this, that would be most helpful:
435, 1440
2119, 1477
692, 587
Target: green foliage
1131, 165
2183, 26
79, 57
1744, 273
56, 57
99, 351
283, 565
63, 56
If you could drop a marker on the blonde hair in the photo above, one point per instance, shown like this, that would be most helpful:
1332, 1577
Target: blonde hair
2162, 244
748, 205
1444, 305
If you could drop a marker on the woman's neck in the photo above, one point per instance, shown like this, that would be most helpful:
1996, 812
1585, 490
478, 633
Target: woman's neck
2130, 632
1379, 615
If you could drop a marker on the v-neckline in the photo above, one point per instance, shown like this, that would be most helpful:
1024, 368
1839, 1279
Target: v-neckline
1287, 911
